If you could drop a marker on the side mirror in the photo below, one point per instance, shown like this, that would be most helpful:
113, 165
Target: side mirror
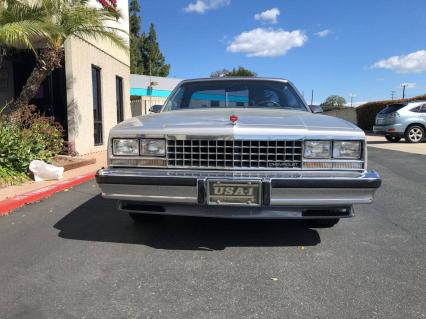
316, 109
155, 108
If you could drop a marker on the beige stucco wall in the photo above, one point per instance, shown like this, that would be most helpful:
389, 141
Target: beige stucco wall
123, 24
79, 58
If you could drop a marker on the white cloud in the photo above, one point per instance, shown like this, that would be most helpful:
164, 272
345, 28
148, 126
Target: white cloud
268, 16
201, 6
323, 33
411, 63
262, 42
408, 85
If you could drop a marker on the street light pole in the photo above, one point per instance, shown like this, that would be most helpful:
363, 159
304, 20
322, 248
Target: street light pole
352, 98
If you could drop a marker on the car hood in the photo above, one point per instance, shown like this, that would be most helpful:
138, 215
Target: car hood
258, 122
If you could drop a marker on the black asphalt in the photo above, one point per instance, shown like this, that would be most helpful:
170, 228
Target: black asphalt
74, 256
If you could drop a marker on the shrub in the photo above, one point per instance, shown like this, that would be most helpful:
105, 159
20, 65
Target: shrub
24, 136
366, 113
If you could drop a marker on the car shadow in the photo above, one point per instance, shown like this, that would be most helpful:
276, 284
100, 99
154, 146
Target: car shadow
98, 220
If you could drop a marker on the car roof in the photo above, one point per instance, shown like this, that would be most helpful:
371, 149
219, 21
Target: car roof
236, 78
405, 104
417, 101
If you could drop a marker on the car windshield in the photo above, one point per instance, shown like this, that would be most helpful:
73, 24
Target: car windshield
235, 94
392, 108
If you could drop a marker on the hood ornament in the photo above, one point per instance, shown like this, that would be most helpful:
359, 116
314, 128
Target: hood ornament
233, 118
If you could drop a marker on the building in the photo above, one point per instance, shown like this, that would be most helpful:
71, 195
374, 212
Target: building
88, 95
149, 90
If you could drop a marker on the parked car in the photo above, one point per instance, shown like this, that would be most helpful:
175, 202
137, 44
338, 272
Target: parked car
400, 120
238, 148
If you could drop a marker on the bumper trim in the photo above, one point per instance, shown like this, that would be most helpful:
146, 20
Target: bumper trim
145, 180
368, 180
280, 188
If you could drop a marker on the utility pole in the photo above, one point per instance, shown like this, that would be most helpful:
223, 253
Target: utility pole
404, 85
392, 95
312, 97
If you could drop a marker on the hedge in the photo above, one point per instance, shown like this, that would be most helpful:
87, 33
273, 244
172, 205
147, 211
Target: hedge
24, 136
366, 113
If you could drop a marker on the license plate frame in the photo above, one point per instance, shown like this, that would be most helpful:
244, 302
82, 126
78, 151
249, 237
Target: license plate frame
225, 197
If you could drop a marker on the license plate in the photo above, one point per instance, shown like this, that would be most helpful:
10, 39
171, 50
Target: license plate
241, 193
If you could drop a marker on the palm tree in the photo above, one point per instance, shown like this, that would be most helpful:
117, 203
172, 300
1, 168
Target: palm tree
21, 25
58, 20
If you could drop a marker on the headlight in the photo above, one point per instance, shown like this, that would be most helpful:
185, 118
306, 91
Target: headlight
125, 147
350, 150
317, 149
153, 147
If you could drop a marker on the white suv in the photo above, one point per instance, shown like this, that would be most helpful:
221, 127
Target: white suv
406, 120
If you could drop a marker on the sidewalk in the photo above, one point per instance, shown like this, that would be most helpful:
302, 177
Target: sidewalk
13, 191
402, 146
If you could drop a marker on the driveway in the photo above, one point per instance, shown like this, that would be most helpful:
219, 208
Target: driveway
402, 146
74, 256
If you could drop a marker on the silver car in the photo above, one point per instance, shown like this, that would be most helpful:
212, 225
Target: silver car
406, 120
238, 148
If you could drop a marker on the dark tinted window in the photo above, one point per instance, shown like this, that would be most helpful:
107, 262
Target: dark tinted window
97, 105
392, 108
419, 108
235, 93
119, 98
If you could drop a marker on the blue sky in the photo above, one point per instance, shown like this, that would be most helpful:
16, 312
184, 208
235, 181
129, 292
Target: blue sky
363, 47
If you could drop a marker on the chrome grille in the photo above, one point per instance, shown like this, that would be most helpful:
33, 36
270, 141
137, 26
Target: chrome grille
234, 154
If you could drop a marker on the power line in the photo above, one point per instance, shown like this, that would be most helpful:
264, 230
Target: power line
392, 95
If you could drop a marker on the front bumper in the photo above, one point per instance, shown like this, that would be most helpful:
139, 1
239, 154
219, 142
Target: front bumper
286, 194
391, 129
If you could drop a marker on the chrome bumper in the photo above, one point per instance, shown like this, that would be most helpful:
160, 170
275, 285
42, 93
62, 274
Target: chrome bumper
282, 190
391, 129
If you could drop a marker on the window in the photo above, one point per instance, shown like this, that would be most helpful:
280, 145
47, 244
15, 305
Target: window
119, 98
97, 105
419, 109
392, 108
235, 93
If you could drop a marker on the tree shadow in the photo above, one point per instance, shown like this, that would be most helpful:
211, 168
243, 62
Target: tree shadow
98, 220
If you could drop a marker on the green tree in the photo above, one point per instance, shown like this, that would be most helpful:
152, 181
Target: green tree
134, 17
240, 71
20, 26
51, 22
153, 59
333, 102
136, 38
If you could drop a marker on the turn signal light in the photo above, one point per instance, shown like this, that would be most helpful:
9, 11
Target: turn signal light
333, 165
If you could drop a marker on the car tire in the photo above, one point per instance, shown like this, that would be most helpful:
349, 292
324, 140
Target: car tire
414, 134
139, 218
323, 223
393, 138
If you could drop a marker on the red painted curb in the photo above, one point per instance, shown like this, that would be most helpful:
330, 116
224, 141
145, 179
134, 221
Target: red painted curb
10, 204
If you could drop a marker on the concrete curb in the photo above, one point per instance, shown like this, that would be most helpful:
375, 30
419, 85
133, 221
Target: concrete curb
10, 204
